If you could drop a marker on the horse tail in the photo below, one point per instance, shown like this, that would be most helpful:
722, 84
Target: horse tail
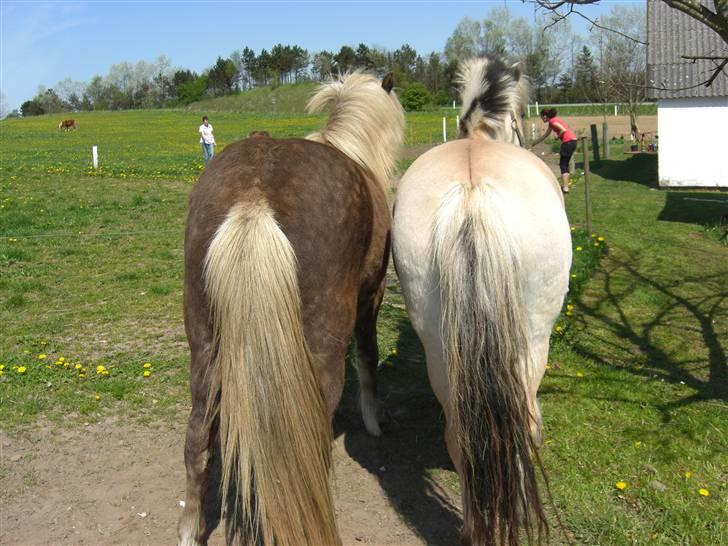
487, 355
275, 433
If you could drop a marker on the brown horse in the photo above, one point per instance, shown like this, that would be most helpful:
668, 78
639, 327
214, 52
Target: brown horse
286, 249
68, 124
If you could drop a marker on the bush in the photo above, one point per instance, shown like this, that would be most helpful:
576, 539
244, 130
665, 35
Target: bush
415, 97
441, 98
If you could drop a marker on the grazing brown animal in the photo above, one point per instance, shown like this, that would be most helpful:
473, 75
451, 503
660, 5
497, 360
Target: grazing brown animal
286, 249
68, 124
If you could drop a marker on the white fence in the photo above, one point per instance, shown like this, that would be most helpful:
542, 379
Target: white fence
615, 108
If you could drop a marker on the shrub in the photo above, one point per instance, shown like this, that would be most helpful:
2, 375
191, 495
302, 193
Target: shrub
415, 97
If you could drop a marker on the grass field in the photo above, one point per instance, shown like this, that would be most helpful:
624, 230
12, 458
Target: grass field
634, 400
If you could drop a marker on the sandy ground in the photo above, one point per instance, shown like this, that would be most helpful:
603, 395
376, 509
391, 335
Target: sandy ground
118, 483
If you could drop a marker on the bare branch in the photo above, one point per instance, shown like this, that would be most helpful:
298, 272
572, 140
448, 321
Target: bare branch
553, 7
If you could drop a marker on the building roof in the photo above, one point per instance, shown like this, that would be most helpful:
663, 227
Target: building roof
672, 34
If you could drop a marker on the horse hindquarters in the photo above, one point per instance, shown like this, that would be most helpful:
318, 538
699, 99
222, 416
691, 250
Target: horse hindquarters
274, 429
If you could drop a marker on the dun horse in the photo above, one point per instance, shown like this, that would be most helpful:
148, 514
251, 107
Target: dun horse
286, 248
482, 248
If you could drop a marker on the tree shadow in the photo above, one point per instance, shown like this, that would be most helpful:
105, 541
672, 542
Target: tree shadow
640, 169
678, 314
692, 207
411, 452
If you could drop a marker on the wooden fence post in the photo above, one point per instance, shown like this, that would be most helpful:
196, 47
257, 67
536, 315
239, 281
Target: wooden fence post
595, 141
605, 141
587, 191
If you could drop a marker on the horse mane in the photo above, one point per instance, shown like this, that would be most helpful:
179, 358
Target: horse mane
490, 91
365, 122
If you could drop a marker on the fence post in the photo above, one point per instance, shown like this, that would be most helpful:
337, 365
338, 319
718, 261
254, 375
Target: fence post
95, 157
605, 141
615, 109
587, 190
457, 125
595, 141
444, 129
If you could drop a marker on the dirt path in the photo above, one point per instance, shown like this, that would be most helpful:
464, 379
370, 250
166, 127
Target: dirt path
119, 483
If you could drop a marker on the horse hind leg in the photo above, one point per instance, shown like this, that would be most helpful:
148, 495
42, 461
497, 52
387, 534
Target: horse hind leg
367, 353
194, 528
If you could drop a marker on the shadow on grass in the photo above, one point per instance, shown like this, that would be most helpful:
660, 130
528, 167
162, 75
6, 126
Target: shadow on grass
412, 445
694, 207
641, 169
688, 305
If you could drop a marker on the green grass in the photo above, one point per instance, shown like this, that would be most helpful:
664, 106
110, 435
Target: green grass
637, 390
91, 271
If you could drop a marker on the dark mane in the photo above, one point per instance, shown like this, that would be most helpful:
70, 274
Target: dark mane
490, 91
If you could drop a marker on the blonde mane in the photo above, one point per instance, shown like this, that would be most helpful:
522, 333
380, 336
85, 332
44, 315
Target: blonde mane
491, 93
365, 122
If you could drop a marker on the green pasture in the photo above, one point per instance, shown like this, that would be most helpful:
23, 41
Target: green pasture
635, 393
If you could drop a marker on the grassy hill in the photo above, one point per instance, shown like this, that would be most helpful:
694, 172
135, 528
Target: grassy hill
284, 99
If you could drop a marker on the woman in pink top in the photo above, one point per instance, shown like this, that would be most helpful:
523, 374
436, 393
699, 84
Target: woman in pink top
568, 143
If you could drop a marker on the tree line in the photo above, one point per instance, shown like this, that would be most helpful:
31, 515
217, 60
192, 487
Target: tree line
562, 67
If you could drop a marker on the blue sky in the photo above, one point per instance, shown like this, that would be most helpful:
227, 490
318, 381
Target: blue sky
45, 42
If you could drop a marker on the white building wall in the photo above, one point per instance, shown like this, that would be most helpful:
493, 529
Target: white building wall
693, 142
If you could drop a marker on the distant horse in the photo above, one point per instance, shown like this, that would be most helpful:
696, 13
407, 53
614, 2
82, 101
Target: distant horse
482, 248
68, 124
286, 249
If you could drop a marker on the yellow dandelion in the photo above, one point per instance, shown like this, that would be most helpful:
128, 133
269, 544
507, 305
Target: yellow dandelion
22, 369
2, 373
62, 359
569, 313
394, 351
82, 375
98, 397
579, 249
147, 373
559, 329
594, 235
42, 356
569, 307
2, 367
600, 239
147, 365
100, 369
579, 374
703, 492
573, 275
638, 445
688, 474
573, 228
548, 366
621, 485
78, 367
105, 372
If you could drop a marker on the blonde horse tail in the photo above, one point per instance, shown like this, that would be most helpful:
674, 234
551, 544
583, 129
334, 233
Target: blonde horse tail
487, 356
275, 434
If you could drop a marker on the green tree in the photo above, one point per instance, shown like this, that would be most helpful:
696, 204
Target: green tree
414, 97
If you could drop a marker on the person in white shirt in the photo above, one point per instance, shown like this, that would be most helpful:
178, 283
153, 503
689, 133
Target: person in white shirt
207, 141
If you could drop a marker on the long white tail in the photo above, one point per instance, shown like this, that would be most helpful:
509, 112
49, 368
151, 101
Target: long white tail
487, 354
274, 431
